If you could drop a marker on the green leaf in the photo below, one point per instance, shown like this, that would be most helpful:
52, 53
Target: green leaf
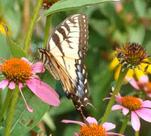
25, 121
16, 50
72, 4
4, 48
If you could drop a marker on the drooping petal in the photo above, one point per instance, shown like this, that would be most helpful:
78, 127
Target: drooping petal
73, 122
135, 121
38, 67
125, 111
11, 85
91, 120
26, 104
116, 107
113, 134
145, 114
43, 91
146, 104
133, 83
4, 83
108, 126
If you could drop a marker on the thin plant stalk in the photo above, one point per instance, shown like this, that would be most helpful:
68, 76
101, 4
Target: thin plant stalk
116, 91
11, 112
137, 133
47, 28
124, 125
32, 25
5, 104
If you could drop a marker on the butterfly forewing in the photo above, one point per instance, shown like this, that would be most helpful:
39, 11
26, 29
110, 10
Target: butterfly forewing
64, 55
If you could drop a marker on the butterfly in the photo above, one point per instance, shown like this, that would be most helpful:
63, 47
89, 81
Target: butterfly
64, 58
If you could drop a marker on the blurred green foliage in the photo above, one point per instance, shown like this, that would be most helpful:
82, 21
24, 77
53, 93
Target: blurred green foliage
111, 24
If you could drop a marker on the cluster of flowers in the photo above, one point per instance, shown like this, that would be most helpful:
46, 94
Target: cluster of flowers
21, 73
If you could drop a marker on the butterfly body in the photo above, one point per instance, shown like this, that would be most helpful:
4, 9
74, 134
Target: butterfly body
64, 57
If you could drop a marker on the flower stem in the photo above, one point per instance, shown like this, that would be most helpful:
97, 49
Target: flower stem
11, 111
32, 25
124, 125
47, 26
5, 105
137, 133
0, 99
116, 91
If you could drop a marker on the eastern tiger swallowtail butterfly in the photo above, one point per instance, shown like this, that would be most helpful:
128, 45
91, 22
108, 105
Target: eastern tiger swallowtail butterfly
64, 58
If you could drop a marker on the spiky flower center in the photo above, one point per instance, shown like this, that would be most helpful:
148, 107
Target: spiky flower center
92, 130
132, 103
131, 55
16, 70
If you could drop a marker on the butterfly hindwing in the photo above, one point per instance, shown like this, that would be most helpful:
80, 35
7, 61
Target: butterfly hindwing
64, 57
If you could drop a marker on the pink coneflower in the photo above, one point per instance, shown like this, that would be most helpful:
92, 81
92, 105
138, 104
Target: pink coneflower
142, 84
21, 72
136, 107
92, 128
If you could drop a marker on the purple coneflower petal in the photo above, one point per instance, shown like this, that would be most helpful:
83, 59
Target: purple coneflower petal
113, 134
73, 122
43, 91
146, 104
26, 60
76, 134
11, 85
125, 111
108, 126
135, 121
144, 79
91, 120
145, 114
38, 67
117, 107
133, 83
3, 83
26, 104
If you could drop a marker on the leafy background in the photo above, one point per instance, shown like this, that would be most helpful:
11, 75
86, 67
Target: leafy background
111, 24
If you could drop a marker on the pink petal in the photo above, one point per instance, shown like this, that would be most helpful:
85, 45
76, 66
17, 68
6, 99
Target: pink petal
3, 83
144, 79
26, 60
133, 83
73, 122
76, 134
38, 67
20, 86
117, 107
135, 121
43, 91
91, 120
26, 104
145, 114
11, 85
108, 126
118, 98
149, 94
146, 104
125, 111
113, 134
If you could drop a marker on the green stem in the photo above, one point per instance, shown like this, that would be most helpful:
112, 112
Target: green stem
0, 99
32, 25
124, 125
11, 111
116, 91
5, 105
137, 133
46, 34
